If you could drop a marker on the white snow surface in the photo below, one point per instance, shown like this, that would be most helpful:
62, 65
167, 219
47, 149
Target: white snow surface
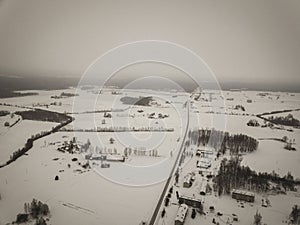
82, 196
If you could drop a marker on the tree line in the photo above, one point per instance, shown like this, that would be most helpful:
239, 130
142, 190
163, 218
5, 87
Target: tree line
29, 143
232, 175
222, 141
295, 215
43, 115
288, 120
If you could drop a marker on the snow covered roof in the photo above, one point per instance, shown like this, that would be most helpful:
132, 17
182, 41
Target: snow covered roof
202, 186
205, 150
188, 178
242, 192
181, 213
189, 198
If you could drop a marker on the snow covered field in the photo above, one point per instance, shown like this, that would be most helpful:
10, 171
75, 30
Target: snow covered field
21, 132
98, 195
77, 198
82, 196
276, 214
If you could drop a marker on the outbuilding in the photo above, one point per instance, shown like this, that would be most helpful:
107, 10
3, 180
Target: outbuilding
243, 195
196, 203
181, 214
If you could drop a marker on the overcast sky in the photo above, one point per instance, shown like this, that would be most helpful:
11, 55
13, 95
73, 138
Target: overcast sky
241, 41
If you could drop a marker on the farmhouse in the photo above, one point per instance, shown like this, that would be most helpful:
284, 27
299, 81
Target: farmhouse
181, 214
243, 195
196, 203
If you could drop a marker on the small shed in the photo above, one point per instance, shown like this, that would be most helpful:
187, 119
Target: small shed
202, 187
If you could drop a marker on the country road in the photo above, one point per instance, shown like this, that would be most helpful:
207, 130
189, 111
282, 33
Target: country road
158, 206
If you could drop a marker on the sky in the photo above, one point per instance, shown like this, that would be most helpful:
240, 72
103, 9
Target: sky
242, 41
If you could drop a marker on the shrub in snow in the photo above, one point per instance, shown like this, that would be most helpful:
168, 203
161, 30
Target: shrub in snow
22, 218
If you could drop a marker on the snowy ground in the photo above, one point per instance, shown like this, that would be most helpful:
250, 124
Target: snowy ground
83, 196
21, 132
277, 213
77, 198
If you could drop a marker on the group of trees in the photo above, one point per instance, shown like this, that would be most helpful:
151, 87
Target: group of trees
64, 95
140, 152
288, 120
257, 218
142, 101
253, 123
221, 141
232, 175
29, 142
43, 115
295, 215
100, 150
34, 210
6, 123
122, 129
69, 146
237, 107
86, 146
4, 113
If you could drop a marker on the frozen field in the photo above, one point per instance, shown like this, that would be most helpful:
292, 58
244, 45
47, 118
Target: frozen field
77, 198
83, 196
21, 132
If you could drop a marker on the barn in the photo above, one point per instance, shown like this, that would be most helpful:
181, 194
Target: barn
196, 203
243, 195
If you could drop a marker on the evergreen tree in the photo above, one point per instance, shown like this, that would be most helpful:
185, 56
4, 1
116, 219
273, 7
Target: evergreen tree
257, 218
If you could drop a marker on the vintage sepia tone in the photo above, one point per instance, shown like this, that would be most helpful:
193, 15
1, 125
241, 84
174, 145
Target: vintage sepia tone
149, 112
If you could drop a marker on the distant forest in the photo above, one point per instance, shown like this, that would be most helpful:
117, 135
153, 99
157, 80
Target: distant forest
142, 101
4, 113
43, 115
10, 84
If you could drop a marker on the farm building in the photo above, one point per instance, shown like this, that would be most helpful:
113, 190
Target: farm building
107, 157
115, 158
204, 153
204, 163
188, 181
181, 214
243, 195
196, 203
202, 187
